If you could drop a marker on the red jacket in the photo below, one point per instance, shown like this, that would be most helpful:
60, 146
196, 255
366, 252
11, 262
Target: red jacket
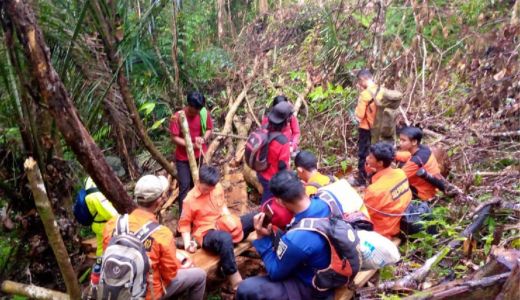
278, 155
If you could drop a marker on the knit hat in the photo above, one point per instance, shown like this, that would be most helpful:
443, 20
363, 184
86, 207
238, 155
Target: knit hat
149, 188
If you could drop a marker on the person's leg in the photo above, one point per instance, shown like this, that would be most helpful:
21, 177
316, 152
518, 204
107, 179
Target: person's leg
221, 243
266, 195
261, 288
185, 182
363, 146
191, 281
248, 225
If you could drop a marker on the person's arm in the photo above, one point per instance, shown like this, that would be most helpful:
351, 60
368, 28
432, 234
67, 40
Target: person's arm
264, 120
284, 156
410, 168
105, 210
362, 105
168, 263
281, 262
402, 156
175, 131
209, 129
295, 128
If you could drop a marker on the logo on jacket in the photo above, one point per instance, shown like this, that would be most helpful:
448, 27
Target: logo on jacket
280, 251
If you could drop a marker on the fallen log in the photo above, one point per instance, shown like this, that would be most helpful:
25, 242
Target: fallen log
250, 177
242, 129
412, 280
32, 291
511, 289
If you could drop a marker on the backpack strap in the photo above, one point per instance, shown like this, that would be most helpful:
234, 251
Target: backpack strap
332, 179
122, 224
332, 202
92, 190
270, 137
313, 184
146, 230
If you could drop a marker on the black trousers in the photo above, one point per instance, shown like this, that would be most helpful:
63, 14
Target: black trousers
221, 243
363, 147
185, 181
263, 288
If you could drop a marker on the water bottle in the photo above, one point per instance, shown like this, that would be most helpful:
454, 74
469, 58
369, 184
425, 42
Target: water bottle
95, 274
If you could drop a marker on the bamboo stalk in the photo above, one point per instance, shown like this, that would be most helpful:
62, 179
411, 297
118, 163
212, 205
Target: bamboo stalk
189, 147
32, 291
44, 208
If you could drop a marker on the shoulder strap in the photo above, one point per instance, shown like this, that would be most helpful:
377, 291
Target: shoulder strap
313, 184
92, 190
146, 230
203, 120
332, 179
331, 200
122, 224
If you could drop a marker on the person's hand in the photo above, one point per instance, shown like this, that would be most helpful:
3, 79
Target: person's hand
191, 247
184, 260
199, 141
260, 230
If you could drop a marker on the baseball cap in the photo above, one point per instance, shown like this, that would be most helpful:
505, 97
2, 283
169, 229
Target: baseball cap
149, 188
280, 112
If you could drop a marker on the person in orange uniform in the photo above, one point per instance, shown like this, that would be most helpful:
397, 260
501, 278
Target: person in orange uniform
170, 280
389, 194
414, 156
365, 114
205, 217
307, 170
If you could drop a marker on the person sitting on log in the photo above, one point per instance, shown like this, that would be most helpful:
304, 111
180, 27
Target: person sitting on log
278, 150
388, 194
291, 260
206, 218
292, 127
170, 280
418, 163
200, 125
307, 169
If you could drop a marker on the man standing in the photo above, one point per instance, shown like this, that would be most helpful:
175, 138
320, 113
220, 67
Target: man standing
200, 126
365, 115
291, 260
169, 280
388, 196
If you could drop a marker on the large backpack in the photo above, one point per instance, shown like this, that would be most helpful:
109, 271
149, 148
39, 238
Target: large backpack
257, 147
80, 208
126, 264
386, 115
345, 253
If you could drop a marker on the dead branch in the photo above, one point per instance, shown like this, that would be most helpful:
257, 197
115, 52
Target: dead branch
250, 177
228, 123
502, 134
44, 208
229, 135
189, 147
32, 291
511, 289
301, 96
412, 280
242, 129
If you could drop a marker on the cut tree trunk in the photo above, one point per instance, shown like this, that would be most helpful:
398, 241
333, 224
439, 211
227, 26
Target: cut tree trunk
189, 147
44, 208
32, 291
250, 177
117, 66
56, 98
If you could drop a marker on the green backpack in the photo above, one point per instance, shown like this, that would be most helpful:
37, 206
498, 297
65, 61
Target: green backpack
386, 115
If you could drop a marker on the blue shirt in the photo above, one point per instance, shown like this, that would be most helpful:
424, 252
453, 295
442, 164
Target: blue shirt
299, 253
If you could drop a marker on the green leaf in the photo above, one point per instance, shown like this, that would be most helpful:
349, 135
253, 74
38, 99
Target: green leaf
157, 124
344, 165
147, 107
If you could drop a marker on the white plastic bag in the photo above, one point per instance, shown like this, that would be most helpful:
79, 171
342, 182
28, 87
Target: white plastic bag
345, 194
377, 250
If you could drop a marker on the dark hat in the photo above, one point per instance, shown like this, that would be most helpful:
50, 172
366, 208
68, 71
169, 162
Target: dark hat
280, 112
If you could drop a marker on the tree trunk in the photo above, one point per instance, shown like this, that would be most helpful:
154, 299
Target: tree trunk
117, 66
44, 208
57, 100
220, 19
263, 6
32, 291
515, 17
189, 147
175, 40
